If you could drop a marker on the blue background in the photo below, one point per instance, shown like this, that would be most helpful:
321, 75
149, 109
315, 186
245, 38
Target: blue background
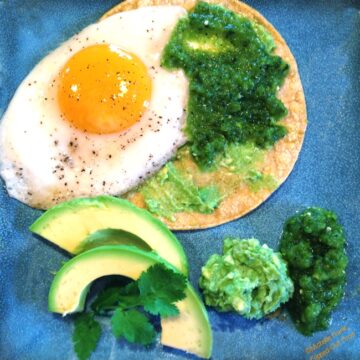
325, 39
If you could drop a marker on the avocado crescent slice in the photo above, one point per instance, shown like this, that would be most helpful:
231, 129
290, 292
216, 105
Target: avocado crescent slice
189, 331
111, 237
69, 224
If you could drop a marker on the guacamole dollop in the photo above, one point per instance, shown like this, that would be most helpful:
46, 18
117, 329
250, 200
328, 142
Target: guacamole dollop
248, 278
172, 191
313, 244
234, 78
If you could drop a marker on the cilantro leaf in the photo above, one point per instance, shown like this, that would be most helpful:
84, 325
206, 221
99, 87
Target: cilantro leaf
162, 307
129, 296
156, 290
112, 297
86, 335
133, 325
160, 287
106, 300
163, 281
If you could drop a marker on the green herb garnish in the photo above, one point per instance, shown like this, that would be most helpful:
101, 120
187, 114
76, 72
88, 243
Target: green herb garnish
160, 289
156, 292
134, 326
86, 335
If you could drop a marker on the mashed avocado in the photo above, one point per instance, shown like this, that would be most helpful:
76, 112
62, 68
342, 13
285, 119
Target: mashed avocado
248, 278
174, 190
171, 191
313, 245
234, 78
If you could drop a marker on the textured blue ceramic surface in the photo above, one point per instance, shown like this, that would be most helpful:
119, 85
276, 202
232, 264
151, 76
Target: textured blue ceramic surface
325, 39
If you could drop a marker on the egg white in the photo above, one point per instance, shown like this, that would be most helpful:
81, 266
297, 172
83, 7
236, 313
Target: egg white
44, 160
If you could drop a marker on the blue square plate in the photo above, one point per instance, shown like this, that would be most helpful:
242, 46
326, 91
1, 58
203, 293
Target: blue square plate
325, 39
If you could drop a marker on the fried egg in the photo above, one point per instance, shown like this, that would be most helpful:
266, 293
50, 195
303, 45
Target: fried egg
98, 115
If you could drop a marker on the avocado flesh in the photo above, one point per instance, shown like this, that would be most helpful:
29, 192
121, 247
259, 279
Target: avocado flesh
111, 237
190, 331
68, 224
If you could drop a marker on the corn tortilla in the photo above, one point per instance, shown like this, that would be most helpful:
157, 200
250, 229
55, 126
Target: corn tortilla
278, 161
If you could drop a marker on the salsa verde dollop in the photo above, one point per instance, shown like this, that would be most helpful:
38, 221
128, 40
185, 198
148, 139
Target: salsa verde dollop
234, 77
313, 244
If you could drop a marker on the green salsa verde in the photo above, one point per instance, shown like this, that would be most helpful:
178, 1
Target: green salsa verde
313, 245
234, 78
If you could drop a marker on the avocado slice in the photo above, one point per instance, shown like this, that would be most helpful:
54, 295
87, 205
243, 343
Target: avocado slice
111, 237
69, 224
189, 331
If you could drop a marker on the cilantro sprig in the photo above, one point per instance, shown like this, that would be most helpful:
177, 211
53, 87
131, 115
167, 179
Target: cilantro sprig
86, 335
134, 326
130, 308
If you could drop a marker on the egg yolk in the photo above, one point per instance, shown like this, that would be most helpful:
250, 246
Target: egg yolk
103, 89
